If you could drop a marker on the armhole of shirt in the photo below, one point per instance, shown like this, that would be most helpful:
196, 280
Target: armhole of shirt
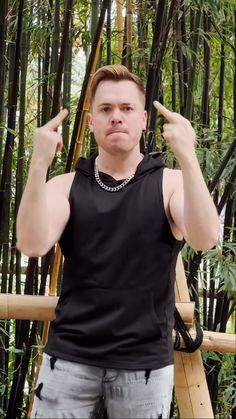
161, 194
72, 187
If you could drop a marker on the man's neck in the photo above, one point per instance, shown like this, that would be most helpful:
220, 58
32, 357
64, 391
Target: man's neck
118, 166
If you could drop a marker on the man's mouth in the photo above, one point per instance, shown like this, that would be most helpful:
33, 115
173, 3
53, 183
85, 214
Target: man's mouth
116, 131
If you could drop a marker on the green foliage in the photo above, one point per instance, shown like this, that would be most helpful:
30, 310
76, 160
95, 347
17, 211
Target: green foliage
222, 263
226, 382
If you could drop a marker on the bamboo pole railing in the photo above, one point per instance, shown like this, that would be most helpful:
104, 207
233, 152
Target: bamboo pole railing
41, 307
34, 307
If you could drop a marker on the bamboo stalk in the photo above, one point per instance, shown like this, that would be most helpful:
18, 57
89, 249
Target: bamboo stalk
129, 34
77, 154
79, 110
142, 28
180, 30
94, 16
154, 75
46, 98
6, 182
15, 258
228, 187
206, 84
66, 97
40, 307
195, 262
55, 105
108, 32
216, 341
75, 150
119, 29
55, 271
58, 79
227, 157
83, 120
55, 41
154, 55
3, 25
190, 381
192, 73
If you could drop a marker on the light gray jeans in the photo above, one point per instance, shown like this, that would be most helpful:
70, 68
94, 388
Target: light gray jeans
72, 390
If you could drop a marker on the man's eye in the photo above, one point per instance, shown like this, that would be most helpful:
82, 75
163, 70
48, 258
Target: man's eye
105, 109
128, 108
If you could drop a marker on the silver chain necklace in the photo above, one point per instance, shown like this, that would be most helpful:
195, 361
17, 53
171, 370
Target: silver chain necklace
109, 188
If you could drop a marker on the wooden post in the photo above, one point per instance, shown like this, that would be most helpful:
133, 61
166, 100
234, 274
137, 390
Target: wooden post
190, 381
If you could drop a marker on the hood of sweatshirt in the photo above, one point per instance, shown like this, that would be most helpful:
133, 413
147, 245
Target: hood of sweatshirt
149, 163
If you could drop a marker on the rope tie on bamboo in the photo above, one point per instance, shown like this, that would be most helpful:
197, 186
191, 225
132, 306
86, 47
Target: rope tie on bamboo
191, 344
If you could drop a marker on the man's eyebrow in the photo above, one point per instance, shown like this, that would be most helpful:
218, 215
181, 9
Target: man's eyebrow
122, 104
128, 103
104, 104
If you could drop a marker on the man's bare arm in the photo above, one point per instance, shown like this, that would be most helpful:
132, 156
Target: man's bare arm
190, 205
44, 208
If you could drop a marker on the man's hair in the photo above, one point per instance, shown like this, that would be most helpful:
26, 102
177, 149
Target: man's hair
115, 72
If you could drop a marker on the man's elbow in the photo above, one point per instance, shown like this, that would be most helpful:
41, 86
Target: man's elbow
205, 244
212, 235
30, 251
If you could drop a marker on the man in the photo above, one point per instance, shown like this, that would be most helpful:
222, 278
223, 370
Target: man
119, 219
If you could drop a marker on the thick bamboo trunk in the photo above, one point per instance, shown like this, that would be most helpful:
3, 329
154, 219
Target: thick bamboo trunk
40, 307
190, 382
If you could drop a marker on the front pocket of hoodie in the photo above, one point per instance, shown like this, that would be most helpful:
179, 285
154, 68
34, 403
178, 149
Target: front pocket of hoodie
96, 315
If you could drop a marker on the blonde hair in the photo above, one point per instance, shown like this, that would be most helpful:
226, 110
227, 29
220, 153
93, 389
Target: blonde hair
115, 72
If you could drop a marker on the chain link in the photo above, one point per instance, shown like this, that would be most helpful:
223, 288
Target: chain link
109, 188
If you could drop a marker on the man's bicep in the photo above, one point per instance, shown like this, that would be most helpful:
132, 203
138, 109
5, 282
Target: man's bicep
58, 207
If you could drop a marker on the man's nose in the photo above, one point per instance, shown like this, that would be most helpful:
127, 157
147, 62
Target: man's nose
116, 117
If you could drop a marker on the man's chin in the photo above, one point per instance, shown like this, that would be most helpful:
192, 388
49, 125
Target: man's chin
119, 149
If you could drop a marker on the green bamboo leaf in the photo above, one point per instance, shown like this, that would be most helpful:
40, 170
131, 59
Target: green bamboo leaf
14, 350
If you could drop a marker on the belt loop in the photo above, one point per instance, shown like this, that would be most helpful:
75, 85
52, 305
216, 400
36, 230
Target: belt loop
147, 374
52, 362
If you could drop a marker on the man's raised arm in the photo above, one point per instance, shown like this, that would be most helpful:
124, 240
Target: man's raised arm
44, 208
191, 206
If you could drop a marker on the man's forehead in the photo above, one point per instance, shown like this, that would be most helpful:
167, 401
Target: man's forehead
109, 91
120, 85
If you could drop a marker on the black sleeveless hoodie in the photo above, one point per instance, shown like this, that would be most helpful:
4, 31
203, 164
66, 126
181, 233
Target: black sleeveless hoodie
117, 300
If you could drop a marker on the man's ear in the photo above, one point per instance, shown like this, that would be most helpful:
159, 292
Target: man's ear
145, 116
90, 122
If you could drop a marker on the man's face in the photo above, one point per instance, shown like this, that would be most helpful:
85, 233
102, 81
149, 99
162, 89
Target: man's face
117, 116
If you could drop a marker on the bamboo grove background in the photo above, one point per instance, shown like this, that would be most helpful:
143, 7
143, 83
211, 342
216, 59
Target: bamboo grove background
185, 51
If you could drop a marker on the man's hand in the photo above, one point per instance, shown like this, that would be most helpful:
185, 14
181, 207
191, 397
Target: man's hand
178, 132
47, 141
